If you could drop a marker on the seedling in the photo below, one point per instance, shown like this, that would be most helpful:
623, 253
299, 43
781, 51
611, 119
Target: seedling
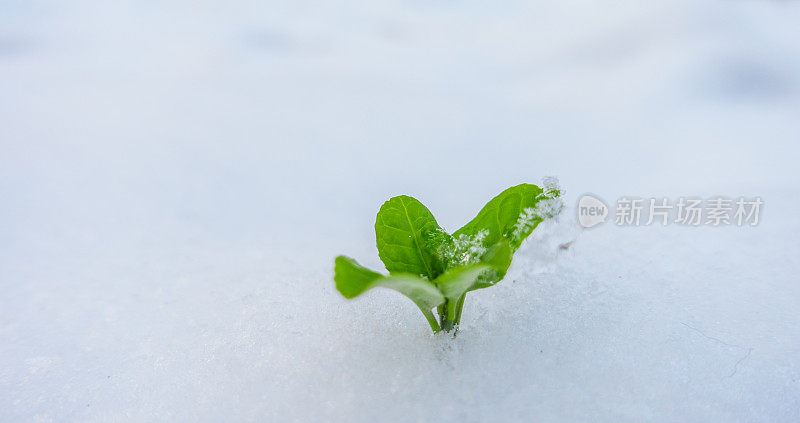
435, 269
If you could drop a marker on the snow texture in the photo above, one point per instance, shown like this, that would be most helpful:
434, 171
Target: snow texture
176, 179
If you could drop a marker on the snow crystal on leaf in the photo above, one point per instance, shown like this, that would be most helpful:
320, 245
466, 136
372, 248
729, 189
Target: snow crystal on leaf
525, 221
465, 249
550, 187
549, 205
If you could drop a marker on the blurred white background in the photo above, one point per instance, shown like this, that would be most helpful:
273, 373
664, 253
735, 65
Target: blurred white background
176, 178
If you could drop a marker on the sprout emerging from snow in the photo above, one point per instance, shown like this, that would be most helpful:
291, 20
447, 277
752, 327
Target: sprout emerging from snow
437, 270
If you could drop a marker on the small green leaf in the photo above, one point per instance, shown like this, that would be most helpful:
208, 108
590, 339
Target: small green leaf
499, 257
403, 230
352, 280
511, 215
419, 290
455, 282
439, 243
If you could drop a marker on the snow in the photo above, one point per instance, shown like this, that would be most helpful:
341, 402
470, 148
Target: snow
176, 179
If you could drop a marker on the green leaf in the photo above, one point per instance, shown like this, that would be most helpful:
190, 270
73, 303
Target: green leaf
499, 257
439, 243
455, 282
352, 280
512, 215
404, 230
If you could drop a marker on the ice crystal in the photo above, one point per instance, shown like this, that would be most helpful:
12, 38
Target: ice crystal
464, 249
548, 206
550, 187
526, 220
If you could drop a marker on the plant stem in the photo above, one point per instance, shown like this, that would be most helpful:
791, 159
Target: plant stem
446, 315
459, 307
451, 311
431, 320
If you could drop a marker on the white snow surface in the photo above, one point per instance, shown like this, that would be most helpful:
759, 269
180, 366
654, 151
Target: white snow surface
177, 177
